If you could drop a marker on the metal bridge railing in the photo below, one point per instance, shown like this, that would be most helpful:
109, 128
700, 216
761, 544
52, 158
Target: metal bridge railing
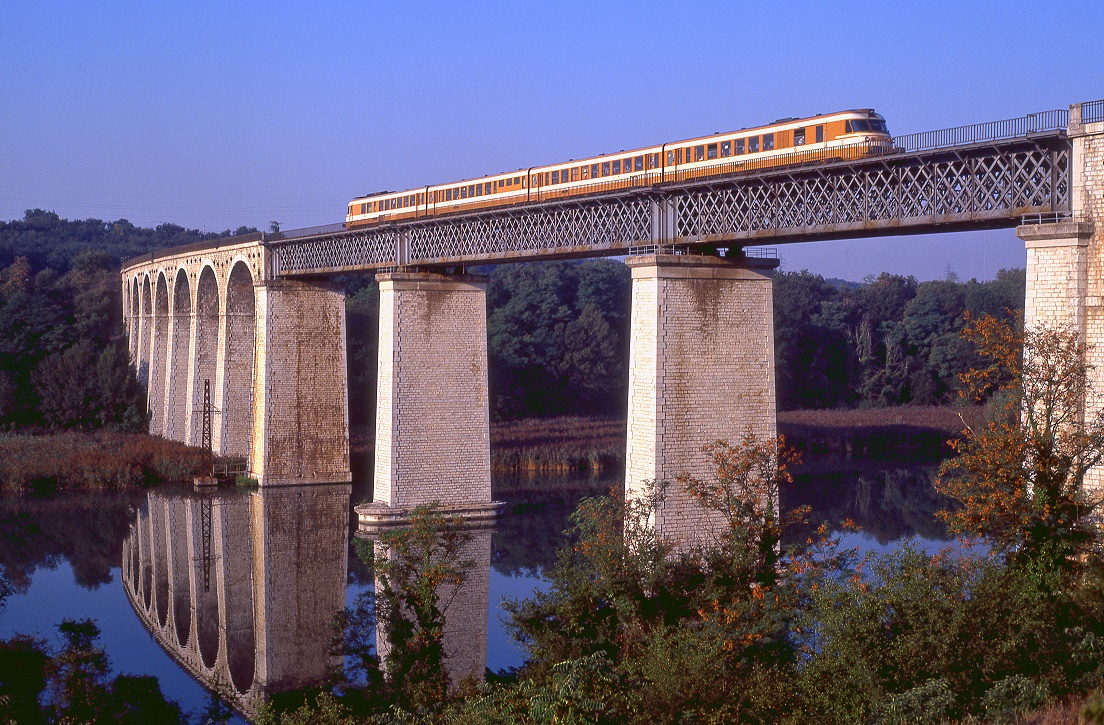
1056, 120
1092, 112
1054, 217
305, 232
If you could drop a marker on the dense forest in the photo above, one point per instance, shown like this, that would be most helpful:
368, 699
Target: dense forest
558, 331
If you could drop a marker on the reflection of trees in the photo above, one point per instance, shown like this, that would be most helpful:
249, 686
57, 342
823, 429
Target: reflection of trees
526, 539
86, 530
888, 502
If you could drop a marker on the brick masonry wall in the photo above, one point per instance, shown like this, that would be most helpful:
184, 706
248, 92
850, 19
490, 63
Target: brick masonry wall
432, 411
301, 414
701, 369
1087, 169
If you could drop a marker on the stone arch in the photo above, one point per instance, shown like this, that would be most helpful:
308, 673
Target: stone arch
158, 356
145, 323
135, 310
237, 396
206, 347
176, 418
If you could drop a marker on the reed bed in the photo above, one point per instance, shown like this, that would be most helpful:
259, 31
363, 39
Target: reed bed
93, 461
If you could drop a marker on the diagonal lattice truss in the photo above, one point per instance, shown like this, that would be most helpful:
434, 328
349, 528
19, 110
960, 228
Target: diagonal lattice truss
968, 187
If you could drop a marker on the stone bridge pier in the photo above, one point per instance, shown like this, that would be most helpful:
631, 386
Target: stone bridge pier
269, 352
1065, 260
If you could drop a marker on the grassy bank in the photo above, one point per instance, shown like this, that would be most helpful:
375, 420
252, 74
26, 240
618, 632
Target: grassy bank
96, 461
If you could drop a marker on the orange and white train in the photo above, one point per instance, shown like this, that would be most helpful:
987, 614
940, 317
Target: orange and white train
788, 141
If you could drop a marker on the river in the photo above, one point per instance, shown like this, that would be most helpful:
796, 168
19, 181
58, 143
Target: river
239, 587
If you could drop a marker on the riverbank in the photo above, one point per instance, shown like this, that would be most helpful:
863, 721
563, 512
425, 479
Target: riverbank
577, 444
48, 462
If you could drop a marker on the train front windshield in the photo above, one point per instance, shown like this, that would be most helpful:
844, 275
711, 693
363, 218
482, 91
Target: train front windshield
873, 125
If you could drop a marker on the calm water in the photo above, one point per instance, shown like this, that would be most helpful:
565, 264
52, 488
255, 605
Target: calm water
248, 581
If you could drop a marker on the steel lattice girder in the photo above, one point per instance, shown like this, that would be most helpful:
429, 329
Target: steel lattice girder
970, 187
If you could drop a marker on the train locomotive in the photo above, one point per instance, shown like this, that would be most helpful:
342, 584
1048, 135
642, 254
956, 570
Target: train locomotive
846, 134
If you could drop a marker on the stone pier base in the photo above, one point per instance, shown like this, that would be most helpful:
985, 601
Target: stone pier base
432, 407
701, 369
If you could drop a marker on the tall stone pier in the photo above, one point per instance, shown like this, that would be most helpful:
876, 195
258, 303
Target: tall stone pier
1065, 260
432, 404
701, 369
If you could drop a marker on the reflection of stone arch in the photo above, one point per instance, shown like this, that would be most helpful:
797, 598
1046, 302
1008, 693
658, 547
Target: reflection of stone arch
177, 526
160, 561
271, 607
145, 325
176, 426
204, 584
206, 346
157, 361
237, 396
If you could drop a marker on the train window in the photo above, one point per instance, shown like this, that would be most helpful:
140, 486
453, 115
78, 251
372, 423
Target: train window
820, 134
448, 194
699, 153
479, 189
670, 158
739, 146
799, 137
471, 190
726, 148
555, 177
878, 126
768, 142
363, 208
605, 168
594, 171
575, 173
617, 166
638, 163
753, 145
711, 151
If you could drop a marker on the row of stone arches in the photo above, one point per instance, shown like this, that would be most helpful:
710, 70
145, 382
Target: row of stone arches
187, 328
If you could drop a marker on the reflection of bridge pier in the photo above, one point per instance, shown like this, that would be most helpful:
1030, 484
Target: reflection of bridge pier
464, 607
241, 588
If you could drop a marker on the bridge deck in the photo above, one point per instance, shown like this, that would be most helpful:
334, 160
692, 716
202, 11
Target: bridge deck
977, 185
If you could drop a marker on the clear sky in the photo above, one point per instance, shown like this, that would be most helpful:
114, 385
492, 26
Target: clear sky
218, 114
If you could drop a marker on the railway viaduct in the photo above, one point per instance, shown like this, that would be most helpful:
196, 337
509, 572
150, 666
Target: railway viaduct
256, 322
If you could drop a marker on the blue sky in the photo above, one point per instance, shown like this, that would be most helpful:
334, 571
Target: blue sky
217, 114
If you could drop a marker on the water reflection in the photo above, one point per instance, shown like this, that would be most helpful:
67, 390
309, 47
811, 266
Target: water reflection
464, 608
241, 588
888, 502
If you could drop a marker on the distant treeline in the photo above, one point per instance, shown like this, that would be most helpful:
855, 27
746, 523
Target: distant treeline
63, 356
558, 331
